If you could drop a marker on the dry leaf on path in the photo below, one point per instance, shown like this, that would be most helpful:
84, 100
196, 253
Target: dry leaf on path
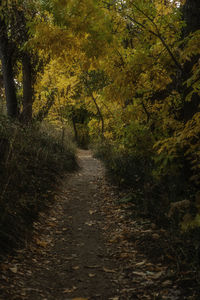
14, 269
66, 291
142, 274
166, 283
75, 267
91, 212
108, 270
155, 236
157, 275
93, 267
90, 223
79, 298
41, 243
140, 263
51, 224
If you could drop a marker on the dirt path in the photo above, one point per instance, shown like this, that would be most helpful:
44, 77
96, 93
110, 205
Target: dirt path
90, 246
70, 259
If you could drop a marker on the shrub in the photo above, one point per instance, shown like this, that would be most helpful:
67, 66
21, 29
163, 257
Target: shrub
31, 160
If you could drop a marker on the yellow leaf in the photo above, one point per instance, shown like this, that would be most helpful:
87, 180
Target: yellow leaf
41, 243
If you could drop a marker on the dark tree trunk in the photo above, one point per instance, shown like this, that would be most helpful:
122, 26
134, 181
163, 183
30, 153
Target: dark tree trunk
191, 15
27, 89
75, 129
7, 70
100, 115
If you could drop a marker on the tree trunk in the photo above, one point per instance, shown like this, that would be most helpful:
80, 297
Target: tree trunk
75, 129
27, 89
100, 115
7, 70
191, 13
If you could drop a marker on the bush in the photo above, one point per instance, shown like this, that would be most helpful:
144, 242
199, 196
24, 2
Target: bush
161, 190
31, 160
124, 168
154, 187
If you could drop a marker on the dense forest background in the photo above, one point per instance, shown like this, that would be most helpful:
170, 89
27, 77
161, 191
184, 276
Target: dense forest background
125, 77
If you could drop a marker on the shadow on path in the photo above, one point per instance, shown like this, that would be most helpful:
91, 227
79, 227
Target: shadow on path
69, 258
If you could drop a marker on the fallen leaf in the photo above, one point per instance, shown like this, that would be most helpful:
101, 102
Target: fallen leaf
75, 267
155, 236
51, 224
23, 293
29, 273
108, 270
92, 267
14, 269
166, 283
90, 223
140, 263
41, 243
91, 212
157, 275
69, 258
79, 298
125, 255
65, 291
140, 274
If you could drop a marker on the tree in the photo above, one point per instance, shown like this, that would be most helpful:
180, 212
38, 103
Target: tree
93, 83
191, 10
14, 36
6, 56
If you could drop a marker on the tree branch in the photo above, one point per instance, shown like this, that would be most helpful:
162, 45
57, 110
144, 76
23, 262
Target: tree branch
159, 36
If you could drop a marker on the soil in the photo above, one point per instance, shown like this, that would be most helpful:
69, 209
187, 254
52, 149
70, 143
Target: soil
90, 247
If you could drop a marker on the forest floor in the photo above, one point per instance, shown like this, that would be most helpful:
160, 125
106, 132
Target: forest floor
91, 246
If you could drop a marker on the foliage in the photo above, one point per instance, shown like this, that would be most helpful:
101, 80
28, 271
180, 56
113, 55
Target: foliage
125, 76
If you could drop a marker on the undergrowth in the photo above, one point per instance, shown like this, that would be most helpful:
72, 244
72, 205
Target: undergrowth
31, 160
168, 199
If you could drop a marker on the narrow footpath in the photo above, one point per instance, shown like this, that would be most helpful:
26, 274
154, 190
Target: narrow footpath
87, 248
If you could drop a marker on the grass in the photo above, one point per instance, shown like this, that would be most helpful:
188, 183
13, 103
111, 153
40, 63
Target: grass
31, 161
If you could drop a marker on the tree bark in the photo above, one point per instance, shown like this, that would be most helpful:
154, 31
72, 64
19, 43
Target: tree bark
7, 70
27, 88
100, 115
75, 129
191, 13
